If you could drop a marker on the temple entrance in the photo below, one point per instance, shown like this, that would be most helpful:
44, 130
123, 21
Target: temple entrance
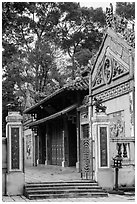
56, 143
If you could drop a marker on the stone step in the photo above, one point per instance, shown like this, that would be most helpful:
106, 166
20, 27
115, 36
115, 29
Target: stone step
63, 182
67, 195
58, 191
63, 189
60, 187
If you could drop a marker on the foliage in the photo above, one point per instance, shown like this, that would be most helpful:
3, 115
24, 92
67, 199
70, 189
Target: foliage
126, 9
45, 44
79, 32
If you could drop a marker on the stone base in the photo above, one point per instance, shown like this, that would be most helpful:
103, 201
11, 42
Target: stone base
37, 161
64, 164
77, 167
15, 183
47, 162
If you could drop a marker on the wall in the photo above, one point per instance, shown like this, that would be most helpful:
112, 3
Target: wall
106, 177
4, 164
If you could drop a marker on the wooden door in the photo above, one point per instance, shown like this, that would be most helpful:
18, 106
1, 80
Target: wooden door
57, 145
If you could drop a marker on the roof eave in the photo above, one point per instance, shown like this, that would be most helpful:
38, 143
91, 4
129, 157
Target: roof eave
29, 110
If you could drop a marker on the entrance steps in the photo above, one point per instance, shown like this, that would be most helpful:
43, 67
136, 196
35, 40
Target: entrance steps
63, 189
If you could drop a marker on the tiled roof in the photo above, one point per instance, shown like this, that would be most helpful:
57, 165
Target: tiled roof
78, 84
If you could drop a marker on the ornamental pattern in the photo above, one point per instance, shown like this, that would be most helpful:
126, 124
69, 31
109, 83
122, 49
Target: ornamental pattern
15, 148
114, 92
118, 69
107, 70
85, 158
99, 77
117, 125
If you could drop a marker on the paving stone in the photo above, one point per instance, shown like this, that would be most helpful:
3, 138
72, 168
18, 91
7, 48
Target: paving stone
18, 199
110, 198
7, 199
26, 199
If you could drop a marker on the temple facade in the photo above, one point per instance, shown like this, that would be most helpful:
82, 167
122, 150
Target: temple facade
89, 123
112, 83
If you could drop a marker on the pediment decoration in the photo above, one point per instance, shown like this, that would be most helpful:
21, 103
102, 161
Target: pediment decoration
118, 69
98, 80
107, 70
110, 69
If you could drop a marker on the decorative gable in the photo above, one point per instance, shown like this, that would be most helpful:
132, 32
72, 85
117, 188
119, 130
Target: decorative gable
110, 68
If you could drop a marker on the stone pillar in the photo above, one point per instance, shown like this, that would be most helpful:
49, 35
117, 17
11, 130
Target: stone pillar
100, 132
65, 145
15, 178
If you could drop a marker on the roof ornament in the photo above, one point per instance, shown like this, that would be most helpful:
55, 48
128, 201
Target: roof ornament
121, 26
98, 105
109, 15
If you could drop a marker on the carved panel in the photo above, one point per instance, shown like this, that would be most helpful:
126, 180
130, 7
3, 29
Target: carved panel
85, 158
117, 125
85, 151
15, 148
107, 70
114, 92
103, 146
110, 69
118, 69
99, 76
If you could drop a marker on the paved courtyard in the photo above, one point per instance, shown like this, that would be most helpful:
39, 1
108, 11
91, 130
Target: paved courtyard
48, 173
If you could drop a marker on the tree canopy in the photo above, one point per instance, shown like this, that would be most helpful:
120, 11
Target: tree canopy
126, 9
46, 44
32, 34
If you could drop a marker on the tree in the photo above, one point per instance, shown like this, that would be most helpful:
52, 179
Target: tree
31, 31
79, 33
27, 54
29, 26
126, 9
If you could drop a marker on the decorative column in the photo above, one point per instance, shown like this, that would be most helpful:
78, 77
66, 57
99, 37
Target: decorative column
78, 142
15, 178
100, 132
